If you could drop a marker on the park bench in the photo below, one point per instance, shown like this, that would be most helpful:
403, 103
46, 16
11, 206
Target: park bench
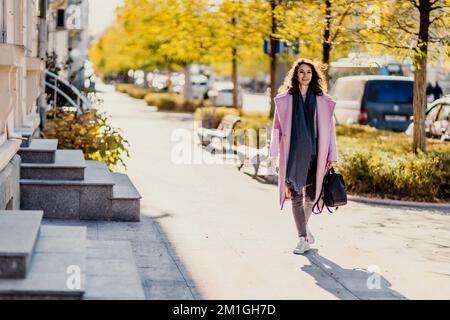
261, 165
222, 137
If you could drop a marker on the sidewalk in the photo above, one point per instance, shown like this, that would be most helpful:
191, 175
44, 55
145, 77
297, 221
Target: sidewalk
224, 238
160, 270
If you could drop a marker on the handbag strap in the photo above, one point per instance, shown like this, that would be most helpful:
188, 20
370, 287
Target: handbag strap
321, 196
316, 204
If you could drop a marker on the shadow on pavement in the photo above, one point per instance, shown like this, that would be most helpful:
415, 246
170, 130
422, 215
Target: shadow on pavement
357, 283
162, 271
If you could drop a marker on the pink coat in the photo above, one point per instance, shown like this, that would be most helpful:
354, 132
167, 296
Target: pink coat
281, 137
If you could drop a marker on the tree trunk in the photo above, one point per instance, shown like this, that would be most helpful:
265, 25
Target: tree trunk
326, 45
420, 77
187, 82
169, 81
146, 84
234, 70
273, 60
234, 77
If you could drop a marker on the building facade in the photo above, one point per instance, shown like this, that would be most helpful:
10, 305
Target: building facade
30, 29
68, 37
20, 86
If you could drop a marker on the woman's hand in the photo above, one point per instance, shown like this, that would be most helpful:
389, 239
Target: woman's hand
330, 164
287, 193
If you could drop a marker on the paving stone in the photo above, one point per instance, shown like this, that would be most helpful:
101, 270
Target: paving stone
113, 288
168, 291
110, 277
161, 272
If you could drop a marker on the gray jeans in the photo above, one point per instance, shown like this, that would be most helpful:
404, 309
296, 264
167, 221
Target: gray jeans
301, 208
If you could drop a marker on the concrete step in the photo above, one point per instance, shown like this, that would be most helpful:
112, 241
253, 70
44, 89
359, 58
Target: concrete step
39, 151
111, 273
69, 165
126, 199
19, 231
27, 134
88, 199
57, 270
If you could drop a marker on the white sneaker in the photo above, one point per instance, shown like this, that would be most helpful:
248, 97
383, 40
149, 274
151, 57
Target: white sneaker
311, 238
302, 246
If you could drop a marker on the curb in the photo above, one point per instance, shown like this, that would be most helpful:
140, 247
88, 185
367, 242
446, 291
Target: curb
400, 203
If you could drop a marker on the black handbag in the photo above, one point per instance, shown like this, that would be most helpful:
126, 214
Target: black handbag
333, 192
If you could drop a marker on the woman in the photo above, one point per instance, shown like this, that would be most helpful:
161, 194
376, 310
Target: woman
303, 142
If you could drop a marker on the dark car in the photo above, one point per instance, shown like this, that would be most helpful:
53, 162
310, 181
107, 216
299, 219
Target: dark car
384, 102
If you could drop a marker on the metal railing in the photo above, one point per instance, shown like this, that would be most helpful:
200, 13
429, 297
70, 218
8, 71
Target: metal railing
81, 103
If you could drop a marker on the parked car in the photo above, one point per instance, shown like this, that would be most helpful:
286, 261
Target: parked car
159, 82
199, 85
437, 120
384, 102
222, 94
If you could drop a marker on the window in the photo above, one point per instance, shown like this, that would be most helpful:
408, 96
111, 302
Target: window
390, 91
60, 19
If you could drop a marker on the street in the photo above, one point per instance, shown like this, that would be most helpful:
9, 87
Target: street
230, 241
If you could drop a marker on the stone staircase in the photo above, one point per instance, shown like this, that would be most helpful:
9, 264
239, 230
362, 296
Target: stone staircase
65, 186
58, 262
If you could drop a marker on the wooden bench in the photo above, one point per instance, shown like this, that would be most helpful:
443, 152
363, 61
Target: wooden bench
220, 138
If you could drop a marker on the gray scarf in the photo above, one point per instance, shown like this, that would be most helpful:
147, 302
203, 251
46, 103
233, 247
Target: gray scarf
303, 146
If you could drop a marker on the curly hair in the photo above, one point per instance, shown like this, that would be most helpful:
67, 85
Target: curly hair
318, 82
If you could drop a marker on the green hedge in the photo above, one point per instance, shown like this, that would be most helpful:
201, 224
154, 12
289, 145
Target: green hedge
422, 177
174, 102
123, 87
381, 163
214, 115
164, 101
132, 90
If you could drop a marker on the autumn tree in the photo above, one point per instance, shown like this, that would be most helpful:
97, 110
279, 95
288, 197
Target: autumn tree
320, 26
235, 32
156, 34
410, 29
